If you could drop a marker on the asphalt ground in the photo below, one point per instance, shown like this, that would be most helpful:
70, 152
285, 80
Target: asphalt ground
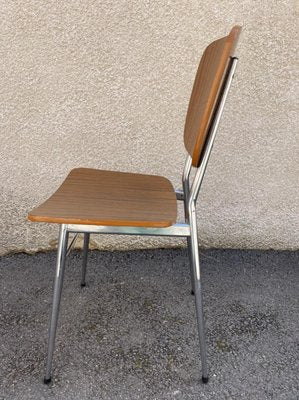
131, 332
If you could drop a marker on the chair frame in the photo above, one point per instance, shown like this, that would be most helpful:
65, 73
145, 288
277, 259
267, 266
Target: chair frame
188, 229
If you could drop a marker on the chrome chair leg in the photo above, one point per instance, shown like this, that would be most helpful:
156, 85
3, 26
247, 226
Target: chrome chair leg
189, 245
61, 257
85, 253
201, 330
198, 297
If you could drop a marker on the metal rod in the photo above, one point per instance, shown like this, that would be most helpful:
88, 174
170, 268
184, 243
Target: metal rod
181, 193
84, 261
72, 244
213, 130
187, 169
189, 247
61, 256
198, 293
180, 230
186, 189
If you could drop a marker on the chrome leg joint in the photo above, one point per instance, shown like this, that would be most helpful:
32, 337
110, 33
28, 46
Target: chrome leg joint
179, 194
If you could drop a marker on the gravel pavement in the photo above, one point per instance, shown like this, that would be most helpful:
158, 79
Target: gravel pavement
130, 334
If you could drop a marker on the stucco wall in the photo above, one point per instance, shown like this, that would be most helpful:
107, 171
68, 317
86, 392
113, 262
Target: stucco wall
106, 84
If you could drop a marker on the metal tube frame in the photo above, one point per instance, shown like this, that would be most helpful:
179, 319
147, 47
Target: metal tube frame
187, 229
72, 244
61, 259
85, 254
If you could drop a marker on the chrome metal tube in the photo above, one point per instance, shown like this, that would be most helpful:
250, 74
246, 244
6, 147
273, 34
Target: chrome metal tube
186, 185
84, 261
179, 229
212, 133
72, 244
61, 256
198, 293
186, 189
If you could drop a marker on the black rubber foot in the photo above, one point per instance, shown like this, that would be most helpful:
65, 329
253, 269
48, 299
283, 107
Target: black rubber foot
47, 381
83, 284
192, 292
205, 379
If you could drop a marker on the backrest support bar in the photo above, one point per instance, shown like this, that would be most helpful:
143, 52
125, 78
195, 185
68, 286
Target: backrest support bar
192, 196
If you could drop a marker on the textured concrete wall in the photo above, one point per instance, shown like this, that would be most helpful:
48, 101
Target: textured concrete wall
106, 84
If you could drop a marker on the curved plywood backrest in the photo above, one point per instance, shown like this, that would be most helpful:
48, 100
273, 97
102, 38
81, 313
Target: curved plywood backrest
205, 93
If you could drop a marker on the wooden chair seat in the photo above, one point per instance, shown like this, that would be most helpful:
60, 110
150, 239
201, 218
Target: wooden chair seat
96, 197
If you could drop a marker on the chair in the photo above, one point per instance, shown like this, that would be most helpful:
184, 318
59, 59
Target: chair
92, 201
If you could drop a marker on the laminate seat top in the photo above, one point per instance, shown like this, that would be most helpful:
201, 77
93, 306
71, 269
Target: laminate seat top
97, 197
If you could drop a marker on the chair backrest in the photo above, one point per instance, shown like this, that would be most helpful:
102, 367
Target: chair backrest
205, 93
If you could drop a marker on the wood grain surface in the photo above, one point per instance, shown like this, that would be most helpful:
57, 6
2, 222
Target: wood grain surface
95, 197
210, 74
